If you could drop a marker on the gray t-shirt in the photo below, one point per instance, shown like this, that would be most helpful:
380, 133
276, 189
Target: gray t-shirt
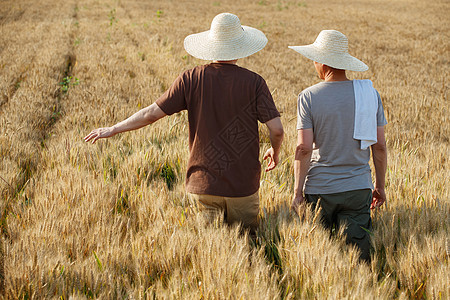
337, 163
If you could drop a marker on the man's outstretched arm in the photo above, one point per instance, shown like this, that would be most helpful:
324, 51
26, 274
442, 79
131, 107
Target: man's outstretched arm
145, 116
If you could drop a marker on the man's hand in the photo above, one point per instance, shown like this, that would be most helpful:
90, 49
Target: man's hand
378, 198
296, 202
273, 159
99, 133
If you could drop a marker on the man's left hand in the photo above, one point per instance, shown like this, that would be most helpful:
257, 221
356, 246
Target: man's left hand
378, 198
273, 159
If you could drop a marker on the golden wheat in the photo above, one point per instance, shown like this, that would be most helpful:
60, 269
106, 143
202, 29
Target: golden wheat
112, 220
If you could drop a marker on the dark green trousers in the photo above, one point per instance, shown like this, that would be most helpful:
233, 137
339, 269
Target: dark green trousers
351, 209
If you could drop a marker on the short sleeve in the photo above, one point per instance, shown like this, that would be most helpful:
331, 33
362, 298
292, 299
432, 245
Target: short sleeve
265, 107
173, 100
381, 119
304, 116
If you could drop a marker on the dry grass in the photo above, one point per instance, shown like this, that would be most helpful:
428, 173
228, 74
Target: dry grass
100, 221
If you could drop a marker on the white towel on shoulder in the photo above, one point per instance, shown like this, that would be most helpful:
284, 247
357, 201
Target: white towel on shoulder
366, 106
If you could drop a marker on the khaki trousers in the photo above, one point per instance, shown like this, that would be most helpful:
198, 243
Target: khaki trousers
243, 210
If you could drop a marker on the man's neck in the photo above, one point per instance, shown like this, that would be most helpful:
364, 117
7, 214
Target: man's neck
335, 75
231, 62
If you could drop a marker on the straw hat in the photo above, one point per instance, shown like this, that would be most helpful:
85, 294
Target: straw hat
331, 49
226, 40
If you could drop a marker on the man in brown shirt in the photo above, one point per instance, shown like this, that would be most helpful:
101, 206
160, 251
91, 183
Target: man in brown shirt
224, 104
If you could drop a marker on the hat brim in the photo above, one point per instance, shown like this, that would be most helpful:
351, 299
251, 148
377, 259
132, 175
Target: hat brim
343, 61
200, 45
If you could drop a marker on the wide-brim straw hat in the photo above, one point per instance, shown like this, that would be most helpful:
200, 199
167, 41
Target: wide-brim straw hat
331, 49
226, 40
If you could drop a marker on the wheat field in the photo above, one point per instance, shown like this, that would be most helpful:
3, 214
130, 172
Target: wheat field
112, 220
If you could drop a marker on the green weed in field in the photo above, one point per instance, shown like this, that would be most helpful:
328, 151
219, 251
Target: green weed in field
122, 204
281, 6
112, 17
262, 25
68, 82
99, 264
110, 169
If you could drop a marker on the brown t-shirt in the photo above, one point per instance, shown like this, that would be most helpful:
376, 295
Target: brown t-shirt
224, 103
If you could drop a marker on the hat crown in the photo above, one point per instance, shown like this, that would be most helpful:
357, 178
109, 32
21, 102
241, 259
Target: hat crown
332, 41
225, 27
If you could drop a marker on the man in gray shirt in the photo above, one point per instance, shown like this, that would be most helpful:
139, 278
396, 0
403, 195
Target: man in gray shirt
336, 120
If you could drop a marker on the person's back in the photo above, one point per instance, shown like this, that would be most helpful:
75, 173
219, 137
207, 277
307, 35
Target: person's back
224, 103
337, 163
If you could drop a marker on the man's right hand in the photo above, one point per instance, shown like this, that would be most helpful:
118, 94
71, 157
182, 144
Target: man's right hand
378, 198
296, 202
99, 133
